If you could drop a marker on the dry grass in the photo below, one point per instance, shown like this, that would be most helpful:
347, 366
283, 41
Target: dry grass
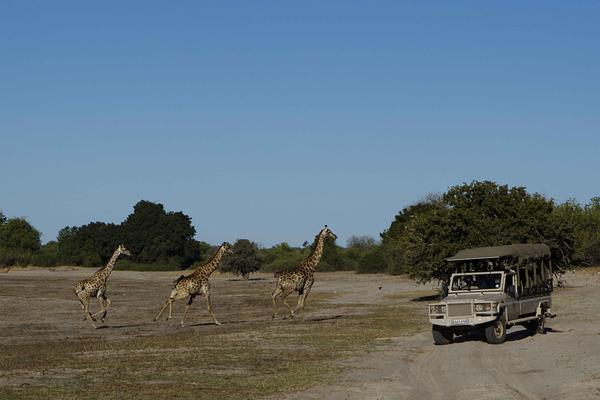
247, 360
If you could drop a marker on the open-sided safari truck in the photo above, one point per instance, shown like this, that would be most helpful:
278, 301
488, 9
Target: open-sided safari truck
493, 288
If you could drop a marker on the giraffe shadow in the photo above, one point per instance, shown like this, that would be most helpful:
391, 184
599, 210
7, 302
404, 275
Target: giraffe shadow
245, 280
208, 323
121, 326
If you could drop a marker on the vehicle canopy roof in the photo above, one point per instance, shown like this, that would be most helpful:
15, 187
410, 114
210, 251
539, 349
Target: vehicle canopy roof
513, 250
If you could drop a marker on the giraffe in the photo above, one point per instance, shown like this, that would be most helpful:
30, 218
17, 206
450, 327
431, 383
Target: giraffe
302, 278
96, 286
194, 284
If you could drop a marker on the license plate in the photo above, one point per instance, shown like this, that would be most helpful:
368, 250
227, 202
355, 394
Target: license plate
460, 322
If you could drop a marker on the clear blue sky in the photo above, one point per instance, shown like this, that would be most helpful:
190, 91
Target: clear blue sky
268, 119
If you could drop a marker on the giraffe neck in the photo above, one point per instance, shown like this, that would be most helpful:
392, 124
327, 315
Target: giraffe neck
313, 259
211, 266
105, 272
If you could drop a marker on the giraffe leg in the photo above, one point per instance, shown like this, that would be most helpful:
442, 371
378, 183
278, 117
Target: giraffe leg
285, 294
106, 306
187, 307
100, 297
206, 291
274, 295
163, 308
85, 301
302, 298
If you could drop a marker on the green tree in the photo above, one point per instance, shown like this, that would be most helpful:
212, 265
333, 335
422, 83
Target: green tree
282, 257
372, 261
90, 245
393, 238
584, 220
473, 215
18, 241
356, 248
47, 256
244, 259
155, 235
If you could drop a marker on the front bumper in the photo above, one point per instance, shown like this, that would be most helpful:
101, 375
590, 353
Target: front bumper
462, 321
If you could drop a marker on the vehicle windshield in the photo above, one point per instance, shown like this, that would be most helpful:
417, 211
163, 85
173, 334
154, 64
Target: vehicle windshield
470, 282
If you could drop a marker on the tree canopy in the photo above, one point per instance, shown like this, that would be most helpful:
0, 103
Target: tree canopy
152, 234
473, 215
244, 259
18, 241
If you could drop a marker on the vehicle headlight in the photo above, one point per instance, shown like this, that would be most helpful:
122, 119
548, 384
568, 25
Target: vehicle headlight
437, 309
482, 307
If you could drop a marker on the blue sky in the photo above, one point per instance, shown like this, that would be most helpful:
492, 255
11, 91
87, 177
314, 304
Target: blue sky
267, 119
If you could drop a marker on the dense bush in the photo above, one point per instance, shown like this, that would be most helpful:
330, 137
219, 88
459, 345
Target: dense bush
154, 237
18, 241
356, 248
473, 215
47, 256
282, 257
585, 222
416, 242
244, 260
372, 261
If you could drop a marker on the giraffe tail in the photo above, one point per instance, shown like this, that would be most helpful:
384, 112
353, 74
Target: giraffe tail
176, 281
276, 274
79, 288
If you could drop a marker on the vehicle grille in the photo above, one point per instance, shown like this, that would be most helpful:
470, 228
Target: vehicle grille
459, 310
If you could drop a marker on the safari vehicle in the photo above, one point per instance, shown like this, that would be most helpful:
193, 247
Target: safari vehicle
492, 289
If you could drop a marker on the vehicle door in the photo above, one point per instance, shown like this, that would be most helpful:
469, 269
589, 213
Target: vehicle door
513, 306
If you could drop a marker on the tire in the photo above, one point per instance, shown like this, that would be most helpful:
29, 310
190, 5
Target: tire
495, 333
441, 335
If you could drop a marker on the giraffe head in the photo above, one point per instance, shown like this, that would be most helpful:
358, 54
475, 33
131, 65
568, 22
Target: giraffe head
327, 233
123, 250
227, 249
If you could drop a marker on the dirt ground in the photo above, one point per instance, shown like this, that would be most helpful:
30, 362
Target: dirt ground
562, 364
362, 337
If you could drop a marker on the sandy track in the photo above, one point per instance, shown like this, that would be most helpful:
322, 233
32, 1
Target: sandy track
563, 364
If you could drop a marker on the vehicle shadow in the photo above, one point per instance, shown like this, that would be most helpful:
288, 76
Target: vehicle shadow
429, 297
512, 336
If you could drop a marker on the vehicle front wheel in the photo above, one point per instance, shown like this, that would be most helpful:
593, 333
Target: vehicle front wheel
495, 333
441, 335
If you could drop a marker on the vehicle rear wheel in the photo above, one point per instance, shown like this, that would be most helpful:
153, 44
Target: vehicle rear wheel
441, 335
495, 333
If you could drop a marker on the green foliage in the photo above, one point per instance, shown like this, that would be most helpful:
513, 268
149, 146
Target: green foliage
155, 238
333, 258
356, 248
47, 256
372, 261
154, 235
282, 257
473, 215
18, 241
89, 245
244, 259
584, 220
